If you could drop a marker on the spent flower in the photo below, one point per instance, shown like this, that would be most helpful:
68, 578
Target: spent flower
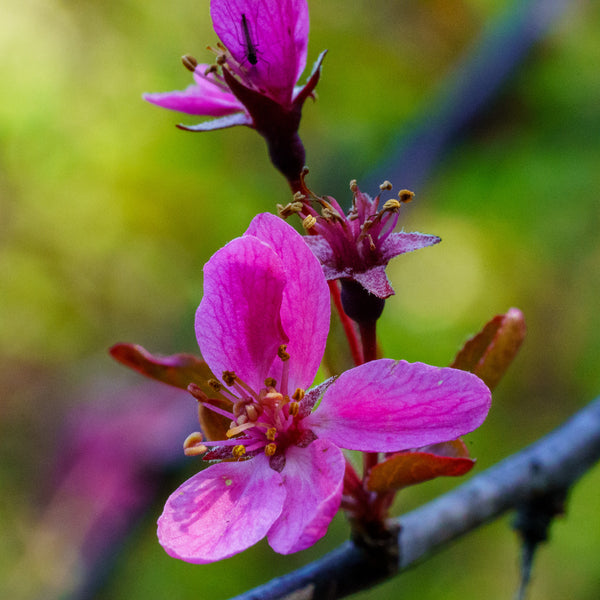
262, 324
358, 246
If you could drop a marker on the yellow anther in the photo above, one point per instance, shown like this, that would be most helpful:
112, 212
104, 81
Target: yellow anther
298, 394
238, 451
221, 60
299, 197
294, 408
309, 222
271, 434
189, 62
392, 205
331, 214
270, 382
289, 209
214, 384
406, 195
229, 377
270, 449
283, 355
353, 185
193, 446
386, 185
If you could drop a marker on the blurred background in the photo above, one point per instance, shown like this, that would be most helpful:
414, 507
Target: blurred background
108, 213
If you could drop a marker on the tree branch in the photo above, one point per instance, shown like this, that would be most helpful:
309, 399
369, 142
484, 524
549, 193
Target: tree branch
553, 463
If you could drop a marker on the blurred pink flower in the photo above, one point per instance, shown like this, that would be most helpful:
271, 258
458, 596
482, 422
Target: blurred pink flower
358, 246
263, 323
260, 59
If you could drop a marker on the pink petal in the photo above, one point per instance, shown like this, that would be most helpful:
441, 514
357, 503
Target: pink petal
313, 478
375, 280
202, 98
305, 309
385, 406
221, 123
276, 30
402, 242
221, 511
237, 323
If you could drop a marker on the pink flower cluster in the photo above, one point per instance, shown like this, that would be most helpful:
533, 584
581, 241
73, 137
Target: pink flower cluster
262, 325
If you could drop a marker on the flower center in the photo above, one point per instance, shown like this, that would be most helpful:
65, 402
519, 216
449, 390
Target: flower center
264, 420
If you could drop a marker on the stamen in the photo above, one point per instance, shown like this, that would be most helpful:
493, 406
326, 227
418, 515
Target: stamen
238, 451
386, 185
238, 429
291, 208
270, 449
309, 222
252, 412
281, 352
353, 186
406, 195
298, 394
273, 399
392, 205
196, 391
271, 434
293, 409
229, 377
285, 357
189, 62
214, 384
193, 446
270, 382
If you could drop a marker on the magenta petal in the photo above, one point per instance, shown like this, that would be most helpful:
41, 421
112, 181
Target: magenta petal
239, 118
275, 31
313, 478
305, 309
202, 98
375, 281
402, 242
385, 406
238, 326
221, 511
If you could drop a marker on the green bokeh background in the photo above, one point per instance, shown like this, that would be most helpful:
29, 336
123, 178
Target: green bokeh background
108, 212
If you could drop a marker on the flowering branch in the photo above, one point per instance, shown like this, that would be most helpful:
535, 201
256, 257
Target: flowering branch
550, 465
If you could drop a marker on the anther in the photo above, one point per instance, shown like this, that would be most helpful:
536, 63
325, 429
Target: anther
391, 205
294, 408
270, 382
189, 62
309, 222
331, 214
197, 392
252, 412
298, 197
386, 185
270, 449
298, 394
271, 434
406, 195
193, 446
238, 451
229, 377
221, 60
281, 352
214, 384
353, 185
289, 209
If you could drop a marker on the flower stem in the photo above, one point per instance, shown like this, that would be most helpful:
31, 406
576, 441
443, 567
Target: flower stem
347, 323
368, 337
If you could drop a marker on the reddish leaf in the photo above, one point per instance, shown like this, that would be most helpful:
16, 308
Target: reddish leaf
409, 468
178, 370
489, 353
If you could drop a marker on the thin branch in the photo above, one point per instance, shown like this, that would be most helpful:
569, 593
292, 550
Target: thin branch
555, 462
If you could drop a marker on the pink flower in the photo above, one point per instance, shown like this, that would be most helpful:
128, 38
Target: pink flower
360, 245
261, 57
263, 323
